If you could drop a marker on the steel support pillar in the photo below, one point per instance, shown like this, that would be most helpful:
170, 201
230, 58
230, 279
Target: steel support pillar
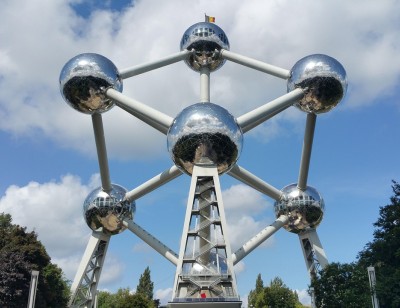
314, 254
84, 287
204, 274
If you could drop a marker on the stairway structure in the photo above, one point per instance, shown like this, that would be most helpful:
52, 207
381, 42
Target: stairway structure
204, 272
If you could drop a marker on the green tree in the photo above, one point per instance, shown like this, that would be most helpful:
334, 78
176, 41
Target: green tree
383, 252
20, 253
124, 298
256, 296
145, 286
342, 285
277, 294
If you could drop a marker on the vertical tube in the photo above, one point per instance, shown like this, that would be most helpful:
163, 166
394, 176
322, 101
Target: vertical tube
101, 151
306, 154
205, 85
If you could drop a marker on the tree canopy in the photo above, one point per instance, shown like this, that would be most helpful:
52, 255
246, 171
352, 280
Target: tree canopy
383, 252
145, 286
347, 285
342, 285
20, 253
277, 294
125, 298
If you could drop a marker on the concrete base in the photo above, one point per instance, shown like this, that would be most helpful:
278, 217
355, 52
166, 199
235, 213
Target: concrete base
202, 303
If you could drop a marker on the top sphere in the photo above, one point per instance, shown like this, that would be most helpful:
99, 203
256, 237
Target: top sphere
207, 134
305, 208
107, 210
324, 80
83, 80
206, 39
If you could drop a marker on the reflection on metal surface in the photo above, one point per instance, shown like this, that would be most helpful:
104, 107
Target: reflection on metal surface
305, 209
107, 210
204, 133
83, 80
324, 79
207, 40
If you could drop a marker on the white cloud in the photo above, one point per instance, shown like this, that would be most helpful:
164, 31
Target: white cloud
164, 295
304, 297
364, 39
242, 205
112, 270
142, 247
239, 267
54, 211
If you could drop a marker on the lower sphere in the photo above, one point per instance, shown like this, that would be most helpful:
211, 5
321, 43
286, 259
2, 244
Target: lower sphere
305, 208
107, 210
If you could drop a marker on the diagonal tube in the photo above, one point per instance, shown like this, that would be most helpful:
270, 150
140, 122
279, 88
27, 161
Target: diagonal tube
258, 239
151, 116
97, 122
250, 179
143, 68
306, 153
255, 64
152, 184
151, 241
259, 115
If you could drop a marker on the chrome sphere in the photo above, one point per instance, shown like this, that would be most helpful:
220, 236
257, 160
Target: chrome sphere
83, 80
305, 209
206, 39
107, 210
324, 80
204, 133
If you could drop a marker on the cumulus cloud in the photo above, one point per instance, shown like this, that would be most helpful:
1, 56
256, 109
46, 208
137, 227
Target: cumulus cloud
243, 204
54, 211
364, 39
239, 267
164, 295
304, 297
112, 271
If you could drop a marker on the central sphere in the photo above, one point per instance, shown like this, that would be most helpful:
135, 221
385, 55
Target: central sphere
204, 133
305, 208
206, 39
107, 210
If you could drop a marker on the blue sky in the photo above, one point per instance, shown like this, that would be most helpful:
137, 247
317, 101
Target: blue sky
48, 157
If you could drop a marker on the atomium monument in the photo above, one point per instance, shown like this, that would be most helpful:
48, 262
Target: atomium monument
204, 141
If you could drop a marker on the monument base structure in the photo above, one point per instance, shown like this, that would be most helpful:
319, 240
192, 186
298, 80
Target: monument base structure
205, 303
204, 274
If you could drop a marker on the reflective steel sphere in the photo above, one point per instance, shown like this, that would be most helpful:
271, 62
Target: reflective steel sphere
107, 210
305, 209
83, 80
324, 80
204, 133
206, 39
